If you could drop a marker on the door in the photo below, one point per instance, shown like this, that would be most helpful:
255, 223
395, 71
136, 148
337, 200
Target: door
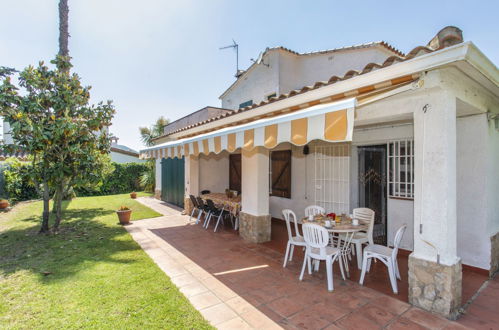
235, 172
172, 181
372, 187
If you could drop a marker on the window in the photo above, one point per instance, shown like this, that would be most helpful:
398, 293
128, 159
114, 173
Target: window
235, 172
332, 177
280, 173
271, 96
401, 169
245, 104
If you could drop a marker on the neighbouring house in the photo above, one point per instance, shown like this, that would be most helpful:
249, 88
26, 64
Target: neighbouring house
122, 154
413, 136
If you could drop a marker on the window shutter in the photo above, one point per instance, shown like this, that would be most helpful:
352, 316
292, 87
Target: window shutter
281, 173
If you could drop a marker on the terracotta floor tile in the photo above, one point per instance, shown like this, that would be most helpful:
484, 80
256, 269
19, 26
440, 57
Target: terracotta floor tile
425, 319
286, 306
405, 324
356, 321
378, 314
308, 319
392, 304
345, 300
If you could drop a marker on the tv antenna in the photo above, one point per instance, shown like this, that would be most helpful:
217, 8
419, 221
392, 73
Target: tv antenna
236, 47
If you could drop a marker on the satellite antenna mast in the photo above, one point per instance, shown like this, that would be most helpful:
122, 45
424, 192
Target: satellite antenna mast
236, 47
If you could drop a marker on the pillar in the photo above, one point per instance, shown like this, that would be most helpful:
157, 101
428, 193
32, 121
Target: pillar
191, 174
434, 268
255, 216
157, 186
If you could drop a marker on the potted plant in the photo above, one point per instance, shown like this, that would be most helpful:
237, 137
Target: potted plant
133, 195
4, 204
124, 214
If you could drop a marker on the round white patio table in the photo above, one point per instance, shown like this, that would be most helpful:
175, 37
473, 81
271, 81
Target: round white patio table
348, 230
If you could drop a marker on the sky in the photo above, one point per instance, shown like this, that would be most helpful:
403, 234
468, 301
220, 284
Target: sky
161, 57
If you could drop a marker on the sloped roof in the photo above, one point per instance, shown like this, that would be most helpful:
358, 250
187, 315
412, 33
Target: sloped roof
446, 37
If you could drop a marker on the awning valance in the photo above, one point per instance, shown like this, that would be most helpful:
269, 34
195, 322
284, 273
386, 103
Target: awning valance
331, 122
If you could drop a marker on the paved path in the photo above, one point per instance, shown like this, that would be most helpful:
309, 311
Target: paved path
221, 306
237, 285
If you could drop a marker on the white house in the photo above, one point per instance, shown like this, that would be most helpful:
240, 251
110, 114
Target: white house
122, 154
414, 137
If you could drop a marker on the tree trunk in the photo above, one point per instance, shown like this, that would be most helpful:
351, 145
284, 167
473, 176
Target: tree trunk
63, 28
46, 208
59, 193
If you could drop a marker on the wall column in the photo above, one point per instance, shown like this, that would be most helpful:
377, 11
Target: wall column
191, 180
434, 268
255, 216
157, 168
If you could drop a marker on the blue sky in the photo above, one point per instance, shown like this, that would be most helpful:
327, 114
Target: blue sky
159, 57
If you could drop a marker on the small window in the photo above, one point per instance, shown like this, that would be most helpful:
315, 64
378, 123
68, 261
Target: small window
245, 104
401, 169
271, 96
280, 173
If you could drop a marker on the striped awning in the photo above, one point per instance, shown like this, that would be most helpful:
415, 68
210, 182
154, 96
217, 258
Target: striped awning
331, 122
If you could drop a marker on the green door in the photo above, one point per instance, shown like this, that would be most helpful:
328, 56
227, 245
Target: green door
172, 181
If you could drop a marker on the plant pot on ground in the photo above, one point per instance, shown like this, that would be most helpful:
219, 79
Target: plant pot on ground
4, 204
133, 195
124, 214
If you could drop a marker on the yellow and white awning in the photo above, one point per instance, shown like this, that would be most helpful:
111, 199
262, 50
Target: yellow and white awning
331, 122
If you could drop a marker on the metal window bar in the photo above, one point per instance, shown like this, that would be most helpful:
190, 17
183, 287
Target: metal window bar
397, 151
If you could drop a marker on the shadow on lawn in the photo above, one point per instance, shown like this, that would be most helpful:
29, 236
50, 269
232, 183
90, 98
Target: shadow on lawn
83, 241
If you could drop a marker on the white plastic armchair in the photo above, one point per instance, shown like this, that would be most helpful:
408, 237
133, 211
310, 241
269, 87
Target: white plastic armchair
317, 239
293, 240
386, 255
314, 210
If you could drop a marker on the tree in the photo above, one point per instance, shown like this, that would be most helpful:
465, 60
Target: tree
63, 28
53, 121
148, 134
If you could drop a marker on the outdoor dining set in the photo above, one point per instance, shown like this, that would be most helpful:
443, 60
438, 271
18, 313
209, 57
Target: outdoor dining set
325, 237
330, 238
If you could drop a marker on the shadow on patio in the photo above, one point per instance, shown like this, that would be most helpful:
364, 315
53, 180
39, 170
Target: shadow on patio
255, 273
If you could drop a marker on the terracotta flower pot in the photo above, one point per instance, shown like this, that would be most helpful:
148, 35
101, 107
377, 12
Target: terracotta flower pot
124, 216
4, 204
133, 195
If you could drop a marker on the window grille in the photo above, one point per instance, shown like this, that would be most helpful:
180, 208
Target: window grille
401, 169
332, 177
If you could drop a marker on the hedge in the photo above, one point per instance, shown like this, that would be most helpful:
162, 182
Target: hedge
124, 179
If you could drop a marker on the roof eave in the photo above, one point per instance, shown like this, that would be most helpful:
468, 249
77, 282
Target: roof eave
412, 66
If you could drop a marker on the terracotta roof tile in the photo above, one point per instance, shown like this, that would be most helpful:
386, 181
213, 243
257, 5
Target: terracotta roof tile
417, 51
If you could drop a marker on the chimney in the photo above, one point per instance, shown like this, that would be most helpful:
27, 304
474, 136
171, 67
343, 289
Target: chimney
448, 36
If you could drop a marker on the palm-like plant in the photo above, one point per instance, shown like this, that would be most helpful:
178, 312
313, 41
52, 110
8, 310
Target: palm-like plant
147, 135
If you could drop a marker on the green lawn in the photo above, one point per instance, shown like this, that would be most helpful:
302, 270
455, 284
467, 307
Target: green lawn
91, 275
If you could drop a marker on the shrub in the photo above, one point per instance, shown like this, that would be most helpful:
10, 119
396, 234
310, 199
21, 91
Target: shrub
18, 184
123, 179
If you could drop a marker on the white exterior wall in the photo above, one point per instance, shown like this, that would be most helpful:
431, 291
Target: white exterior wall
288, 71
493, 183
157, 169
214, 172
122, 158
256, 85
472, 153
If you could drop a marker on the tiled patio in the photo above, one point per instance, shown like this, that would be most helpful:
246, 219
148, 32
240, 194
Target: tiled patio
240, 285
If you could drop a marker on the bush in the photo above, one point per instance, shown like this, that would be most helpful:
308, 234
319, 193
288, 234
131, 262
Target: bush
124, 179
18, 185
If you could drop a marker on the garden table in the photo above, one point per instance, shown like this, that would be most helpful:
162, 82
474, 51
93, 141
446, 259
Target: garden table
231, 204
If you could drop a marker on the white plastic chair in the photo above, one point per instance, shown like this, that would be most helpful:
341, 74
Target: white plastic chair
296, 240
386, 255
364, 215
317, 239
314, 210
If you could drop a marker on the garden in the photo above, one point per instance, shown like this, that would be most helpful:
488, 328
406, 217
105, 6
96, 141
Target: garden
91, 274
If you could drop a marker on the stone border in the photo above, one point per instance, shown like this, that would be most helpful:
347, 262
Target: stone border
221, 306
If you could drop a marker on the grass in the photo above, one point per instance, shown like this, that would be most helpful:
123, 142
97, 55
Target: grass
91, 275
